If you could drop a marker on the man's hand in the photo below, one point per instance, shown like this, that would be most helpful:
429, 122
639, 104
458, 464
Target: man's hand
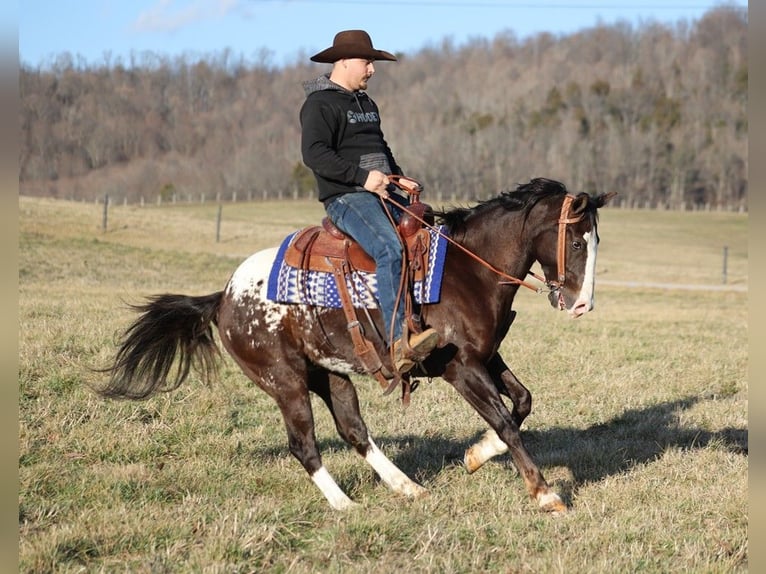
377, 182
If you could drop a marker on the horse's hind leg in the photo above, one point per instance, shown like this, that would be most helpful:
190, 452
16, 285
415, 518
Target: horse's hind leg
341, 399
292, 398
299, 421
490, 444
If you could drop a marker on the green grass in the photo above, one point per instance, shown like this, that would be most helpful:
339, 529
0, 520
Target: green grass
639, 418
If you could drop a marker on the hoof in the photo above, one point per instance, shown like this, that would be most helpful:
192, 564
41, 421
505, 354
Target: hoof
415, 491
551, 502
471, 461
488, 447
346, 505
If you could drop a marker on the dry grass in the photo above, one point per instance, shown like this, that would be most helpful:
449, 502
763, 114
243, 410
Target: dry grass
639, 419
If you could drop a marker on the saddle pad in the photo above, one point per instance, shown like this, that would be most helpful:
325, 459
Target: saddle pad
288, 284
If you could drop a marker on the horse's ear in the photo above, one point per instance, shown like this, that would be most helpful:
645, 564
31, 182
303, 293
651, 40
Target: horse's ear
579, 203
603, 199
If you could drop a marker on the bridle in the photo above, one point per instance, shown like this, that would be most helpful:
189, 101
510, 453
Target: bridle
565, 218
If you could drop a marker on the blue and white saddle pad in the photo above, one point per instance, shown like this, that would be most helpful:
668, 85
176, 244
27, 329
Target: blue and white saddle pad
289, 284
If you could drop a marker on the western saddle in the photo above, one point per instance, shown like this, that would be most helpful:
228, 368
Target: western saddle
326, 248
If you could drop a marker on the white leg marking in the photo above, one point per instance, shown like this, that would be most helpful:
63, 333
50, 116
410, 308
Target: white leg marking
551, 502
332, 492
489, 446
586, 299
390, 473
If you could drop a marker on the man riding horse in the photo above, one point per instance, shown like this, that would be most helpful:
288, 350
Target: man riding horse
343, 145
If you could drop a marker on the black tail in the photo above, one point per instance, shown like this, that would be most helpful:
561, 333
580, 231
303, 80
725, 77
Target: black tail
170, 326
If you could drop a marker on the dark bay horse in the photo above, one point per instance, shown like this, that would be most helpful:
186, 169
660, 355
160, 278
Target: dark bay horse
290, 350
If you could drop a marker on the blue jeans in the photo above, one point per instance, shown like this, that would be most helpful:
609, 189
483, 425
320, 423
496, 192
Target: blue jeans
361, 215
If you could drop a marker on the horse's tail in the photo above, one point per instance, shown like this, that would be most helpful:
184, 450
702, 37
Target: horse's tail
169, 327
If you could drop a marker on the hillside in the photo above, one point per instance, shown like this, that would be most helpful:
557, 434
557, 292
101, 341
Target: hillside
658, 113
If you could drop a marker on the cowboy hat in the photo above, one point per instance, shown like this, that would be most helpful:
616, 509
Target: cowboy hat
351, 44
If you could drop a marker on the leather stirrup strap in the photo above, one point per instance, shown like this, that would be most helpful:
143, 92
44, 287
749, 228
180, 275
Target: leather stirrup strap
416, 262
362, 346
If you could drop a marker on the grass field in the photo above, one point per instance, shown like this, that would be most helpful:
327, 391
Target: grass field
639, 418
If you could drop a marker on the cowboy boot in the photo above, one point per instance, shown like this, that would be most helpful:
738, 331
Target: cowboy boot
420, 345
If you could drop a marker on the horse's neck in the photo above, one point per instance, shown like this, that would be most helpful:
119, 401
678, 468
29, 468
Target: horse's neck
499, 242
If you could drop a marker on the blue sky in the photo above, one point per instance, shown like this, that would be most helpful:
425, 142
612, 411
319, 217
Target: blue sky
280, 32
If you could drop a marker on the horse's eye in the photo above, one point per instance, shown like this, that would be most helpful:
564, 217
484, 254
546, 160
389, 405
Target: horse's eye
576, 245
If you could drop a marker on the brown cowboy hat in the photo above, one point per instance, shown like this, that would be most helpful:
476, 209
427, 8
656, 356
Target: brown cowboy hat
351, 44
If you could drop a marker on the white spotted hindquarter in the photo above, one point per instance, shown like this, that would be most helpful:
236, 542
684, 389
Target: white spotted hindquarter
251, 324
247, 288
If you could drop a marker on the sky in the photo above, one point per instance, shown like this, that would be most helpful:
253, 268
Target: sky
282, 32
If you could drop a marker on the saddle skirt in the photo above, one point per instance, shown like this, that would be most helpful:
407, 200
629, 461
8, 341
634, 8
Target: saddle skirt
303, 271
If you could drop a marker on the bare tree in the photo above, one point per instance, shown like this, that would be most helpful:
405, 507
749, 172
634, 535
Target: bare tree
658, 112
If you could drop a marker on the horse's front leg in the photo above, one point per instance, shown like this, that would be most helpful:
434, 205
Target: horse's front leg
474, 383
507, 383
490, 444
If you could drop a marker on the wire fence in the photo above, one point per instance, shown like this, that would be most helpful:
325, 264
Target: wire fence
106, 202
437, 197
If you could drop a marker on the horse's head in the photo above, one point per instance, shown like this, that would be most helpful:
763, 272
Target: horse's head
540, 221
568, 248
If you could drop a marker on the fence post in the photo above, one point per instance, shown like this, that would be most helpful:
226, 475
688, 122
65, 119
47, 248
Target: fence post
106, 212
725, 262
218, 224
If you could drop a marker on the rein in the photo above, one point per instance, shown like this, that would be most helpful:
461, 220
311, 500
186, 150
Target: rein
563, 221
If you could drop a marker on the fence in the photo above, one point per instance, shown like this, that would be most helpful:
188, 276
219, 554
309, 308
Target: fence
432, 196
107, 202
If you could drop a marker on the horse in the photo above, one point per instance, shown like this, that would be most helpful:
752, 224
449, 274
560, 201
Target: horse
292, 350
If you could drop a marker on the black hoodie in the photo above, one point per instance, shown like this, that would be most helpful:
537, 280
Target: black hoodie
341, 138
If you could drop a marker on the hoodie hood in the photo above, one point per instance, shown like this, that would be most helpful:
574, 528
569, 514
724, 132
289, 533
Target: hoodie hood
323, 82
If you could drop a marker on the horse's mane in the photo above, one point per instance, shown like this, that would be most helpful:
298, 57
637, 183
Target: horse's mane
524, 197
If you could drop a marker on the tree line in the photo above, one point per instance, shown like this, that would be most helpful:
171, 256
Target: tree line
657, 112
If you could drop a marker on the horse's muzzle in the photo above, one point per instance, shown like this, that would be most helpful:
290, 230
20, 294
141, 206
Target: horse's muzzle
579, 308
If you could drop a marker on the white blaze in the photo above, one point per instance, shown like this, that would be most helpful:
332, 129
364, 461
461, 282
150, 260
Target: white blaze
585, 300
